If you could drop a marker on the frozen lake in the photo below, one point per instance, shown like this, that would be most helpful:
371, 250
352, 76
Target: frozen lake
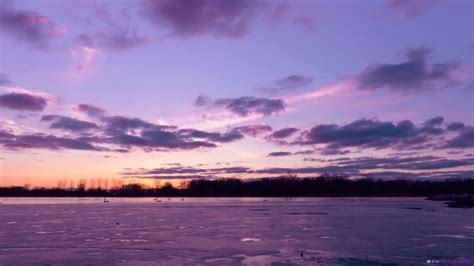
223, 231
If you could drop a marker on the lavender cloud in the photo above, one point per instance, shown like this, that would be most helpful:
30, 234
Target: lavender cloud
245, 106
43, 141
226, 137
118, 41
414, 74
254, 130
289, 84
350, 166
464, 140
68, 123
368, 133
279, 154
283, 133
455, 126
28, 26
230, 19
5, 80
411, 8
91, 110
23, 102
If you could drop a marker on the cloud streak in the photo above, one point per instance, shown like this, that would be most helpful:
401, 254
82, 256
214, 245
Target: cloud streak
68, 123
28, 26
384, 167
368, 133
414, 74
288, 84
243, 106
23, 102
411, 8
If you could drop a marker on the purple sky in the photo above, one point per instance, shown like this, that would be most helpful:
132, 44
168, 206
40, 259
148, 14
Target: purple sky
237, 88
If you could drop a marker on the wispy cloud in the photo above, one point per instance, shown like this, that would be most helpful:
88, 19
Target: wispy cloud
28, 26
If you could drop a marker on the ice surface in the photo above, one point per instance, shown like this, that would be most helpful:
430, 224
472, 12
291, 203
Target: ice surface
226, 231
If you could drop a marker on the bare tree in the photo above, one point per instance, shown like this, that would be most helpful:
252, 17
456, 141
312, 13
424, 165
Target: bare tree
117, 183
106, 184
82, 185
157, 185
99, 183
62, 184
183, 184
92, 183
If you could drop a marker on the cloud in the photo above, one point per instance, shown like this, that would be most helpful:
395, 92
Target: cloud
202, 100
404, 163
360, 133
226, 137
289, 83
464, 140
91, 110
435, 121
5, 80
111, 30
279, 154
304, 152
224, 19
48, 142
108, 132
112, 40
245, 106
83, 59
455, 126
28, 26
369, 133
433, 126
23, 102
169, 177
229, 19
415, 74
183, 172
157, 138
67, 123
254, 130
328, 151
380, 167
283, 133
343, 86
411, 8
134, 132
4, 135
121, 123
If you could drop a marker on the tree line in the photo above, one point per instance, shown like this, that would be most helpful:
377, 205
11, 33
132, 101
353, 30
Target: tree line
284, 186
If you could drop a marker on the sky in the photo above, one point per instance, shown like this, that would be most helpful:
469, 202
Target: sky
191, 89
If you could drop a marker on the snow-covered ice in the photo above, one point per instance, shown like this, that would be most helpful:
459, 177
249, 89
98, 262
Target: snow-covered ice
223, 231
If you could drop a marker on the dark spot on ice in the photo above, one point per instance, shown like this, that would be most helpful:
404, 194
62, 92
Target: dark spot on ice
414, 208
419, 209
259, 210
307, 213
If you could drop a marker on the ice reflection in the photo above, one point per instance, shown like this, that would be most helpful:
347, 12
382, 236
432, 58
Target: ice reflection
340, 231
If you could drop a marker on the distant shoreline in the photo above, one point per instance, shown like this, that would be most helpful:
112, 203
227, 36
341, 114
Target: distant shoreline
285, 187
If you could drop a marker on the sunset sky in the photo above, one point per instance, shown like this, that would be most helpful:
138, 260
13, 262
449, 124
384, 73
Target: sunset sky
236, 88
